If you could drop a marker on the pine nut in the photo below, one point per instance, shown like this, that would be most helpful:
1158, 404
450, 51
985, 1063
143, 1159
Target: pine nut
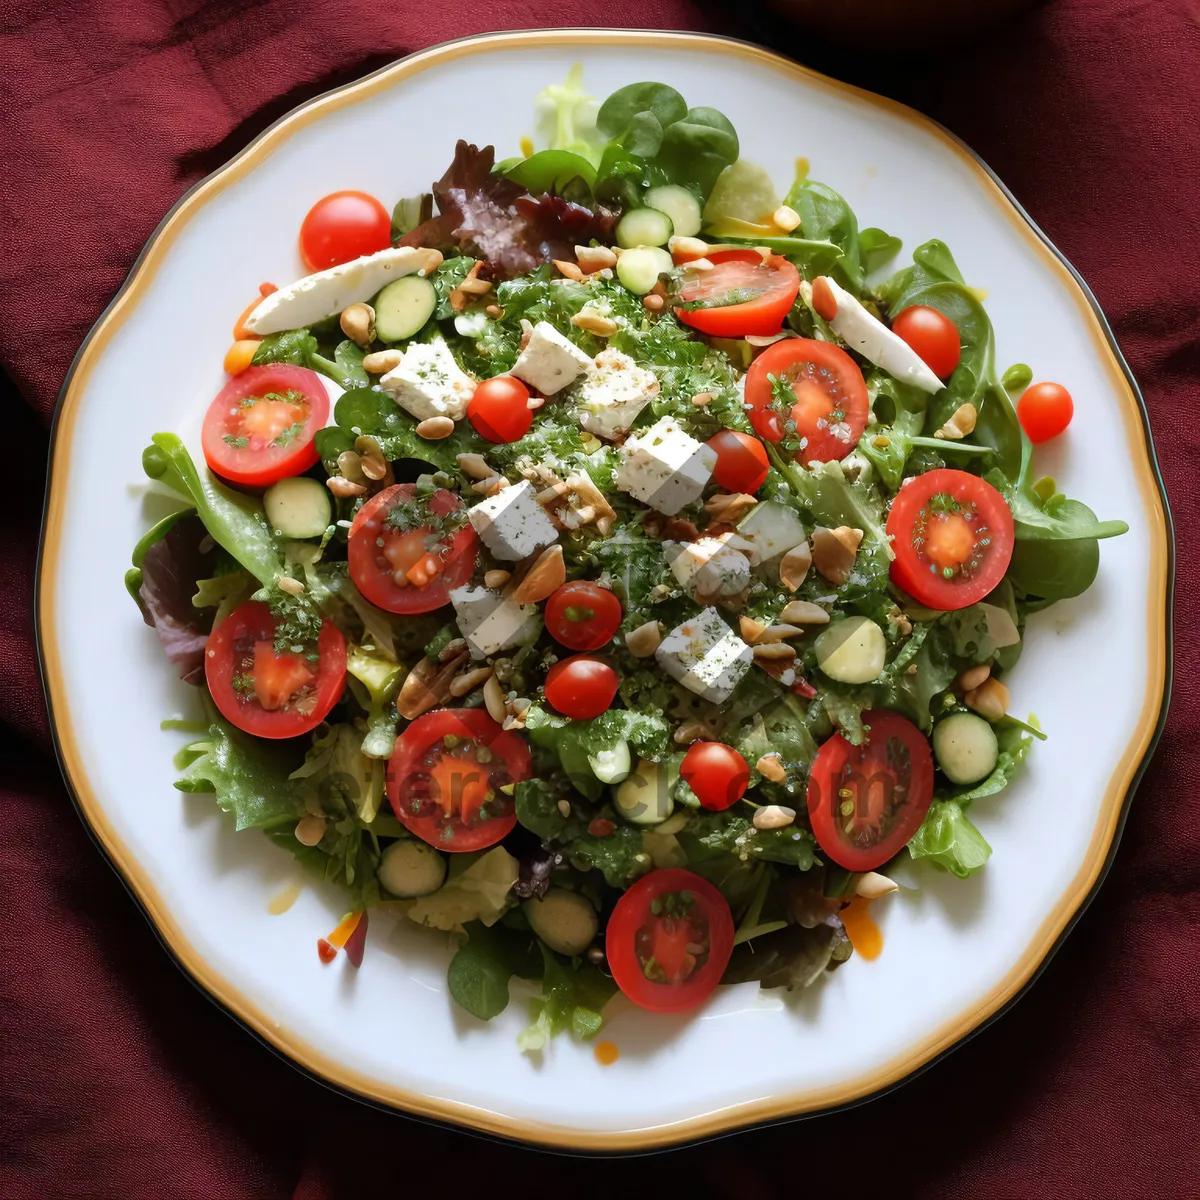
382, 361
496, 579
872, 885
474, 465
310, 830
569, 269
771, 767
989, 699
773, 816
493, 700
774, 652
750, 629
594, 258
644, 640
793, 566
972, 677
803, 612
433, 429
358, 324
494, 311
785, 218
468, 681
350, 465
591, 321
293, 587
374, 466
344, 488
700, 399
653, 303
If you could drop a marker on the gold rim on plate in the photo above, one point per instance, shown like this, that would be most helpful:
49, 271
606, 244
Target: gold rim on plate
772, 1108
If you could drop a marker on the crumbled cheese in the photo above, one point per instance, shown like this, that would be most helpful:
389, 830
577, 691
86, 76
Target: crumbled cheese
550, 361
706, 656
613, 393
709, 567
512, 523
490, 623
664, 467
429, 383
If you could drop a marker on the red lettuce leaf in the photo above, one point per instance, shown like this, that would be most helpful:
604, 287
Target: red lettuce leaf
490, 217
171, 568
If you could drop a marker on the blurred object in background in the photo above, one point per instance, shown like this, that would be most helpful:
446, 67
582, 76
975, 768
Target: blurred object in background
896, 24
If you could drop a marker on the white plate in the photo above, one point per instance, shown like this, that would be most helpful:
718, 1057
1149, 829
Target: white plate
955, 952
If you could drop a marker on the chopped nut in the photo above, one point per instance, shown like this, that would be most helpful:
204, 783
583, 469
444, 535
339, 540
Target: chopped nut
474, 466
350, 465
493, 699
793, 566
644, 640
774, 652
771, 767
989, 699
358, 324
468, 681
589, 320
872, 885
969, 680
374, 466
544, 578
750, 629
773, 816
960, 424
684, 248
494, 311
517, 710
700, 399
653, 303
490, 486
310, 830
897, 617
564, 807
472, 285
803, 612
427, 685
729, 508
594, 258
785, 218
569, 269
496, 579
382, 361
433, 429
834, 552
293, 587
780, 633
452, 649
689, 732
344, 488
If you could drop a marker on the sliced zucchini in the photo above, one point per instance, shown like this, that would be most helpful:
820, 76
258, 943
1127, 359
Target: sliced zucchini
852, 650
965, 747
611, 766
680, 205
565, 921
298, 508
644, 798
638, 269
644, 227
403, 307
410, 868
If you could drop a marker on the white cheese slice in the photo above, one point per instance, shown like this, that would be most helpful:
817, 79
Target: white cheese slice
706, 656
327, 293
875, 341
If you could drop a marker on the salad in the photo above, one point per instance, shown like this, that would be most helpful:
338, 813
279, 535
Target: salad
612, 563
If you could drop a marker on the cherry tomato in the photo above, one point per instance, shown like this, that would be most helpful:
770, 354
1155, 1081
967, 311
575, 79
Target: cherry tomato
816, 385
500, 410
583, 615
932, 335
260, 427
669, 940
446, 775
741, 461
267, 694
1045, 410
581, 687
717, 773
953, 538
740, 294
887, 782
428, 549
343, 226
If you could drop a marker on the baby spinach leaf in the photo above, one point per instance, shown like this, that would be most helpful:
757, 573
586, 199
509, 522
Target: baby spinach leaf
825, 216
619, 110
348, 359
479, 972
697, 148
553, 171
793, 957
714, 834
619, 856
573, 998
365, 410
877, 248
811, 256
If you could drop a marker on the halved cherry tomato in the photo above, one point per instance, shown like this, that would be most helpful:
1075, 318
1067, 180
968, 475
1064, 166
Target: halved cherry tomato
816, 388
581, 687
500, 410
740, 294
865, 802
953, 538
343, 226
932, 335
267, 694
742, 461
260, 427
400, 575
446, 775
717, 773
669, 940
1045, 410
583, 615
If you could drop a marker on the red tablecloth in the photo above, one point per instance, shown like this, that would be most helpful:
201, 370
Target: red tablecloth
119, 1079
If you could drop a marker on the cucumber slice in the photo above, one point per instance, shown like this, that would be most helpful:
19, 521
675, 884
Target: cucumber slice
645, 797
403, 307
611, 766
565, 921
773, 528
965, 747
298, 508
644, 227
639, 269
852, 651
680, 205
410, 868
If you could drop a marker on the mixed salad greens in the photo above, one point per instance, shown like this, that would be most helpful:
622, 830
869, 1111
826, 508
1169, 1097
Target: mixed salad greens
603, 560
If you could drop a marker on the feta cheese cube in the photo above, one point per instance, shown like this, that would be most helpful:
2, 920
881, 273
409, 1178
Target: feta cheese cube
429, 383
512, 523
706, 656
664, 467
490, 623
550, 361
614, 392
709, 568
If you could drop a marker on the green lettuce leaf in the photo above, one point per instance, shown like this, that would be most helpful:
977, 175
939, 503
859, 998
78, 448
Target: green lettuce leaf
949, 840
479, 888
572, 999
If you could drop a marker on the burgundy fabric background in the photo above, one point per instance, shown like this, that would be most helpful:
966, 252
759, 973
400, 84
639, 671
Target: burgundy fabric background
118, 1078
